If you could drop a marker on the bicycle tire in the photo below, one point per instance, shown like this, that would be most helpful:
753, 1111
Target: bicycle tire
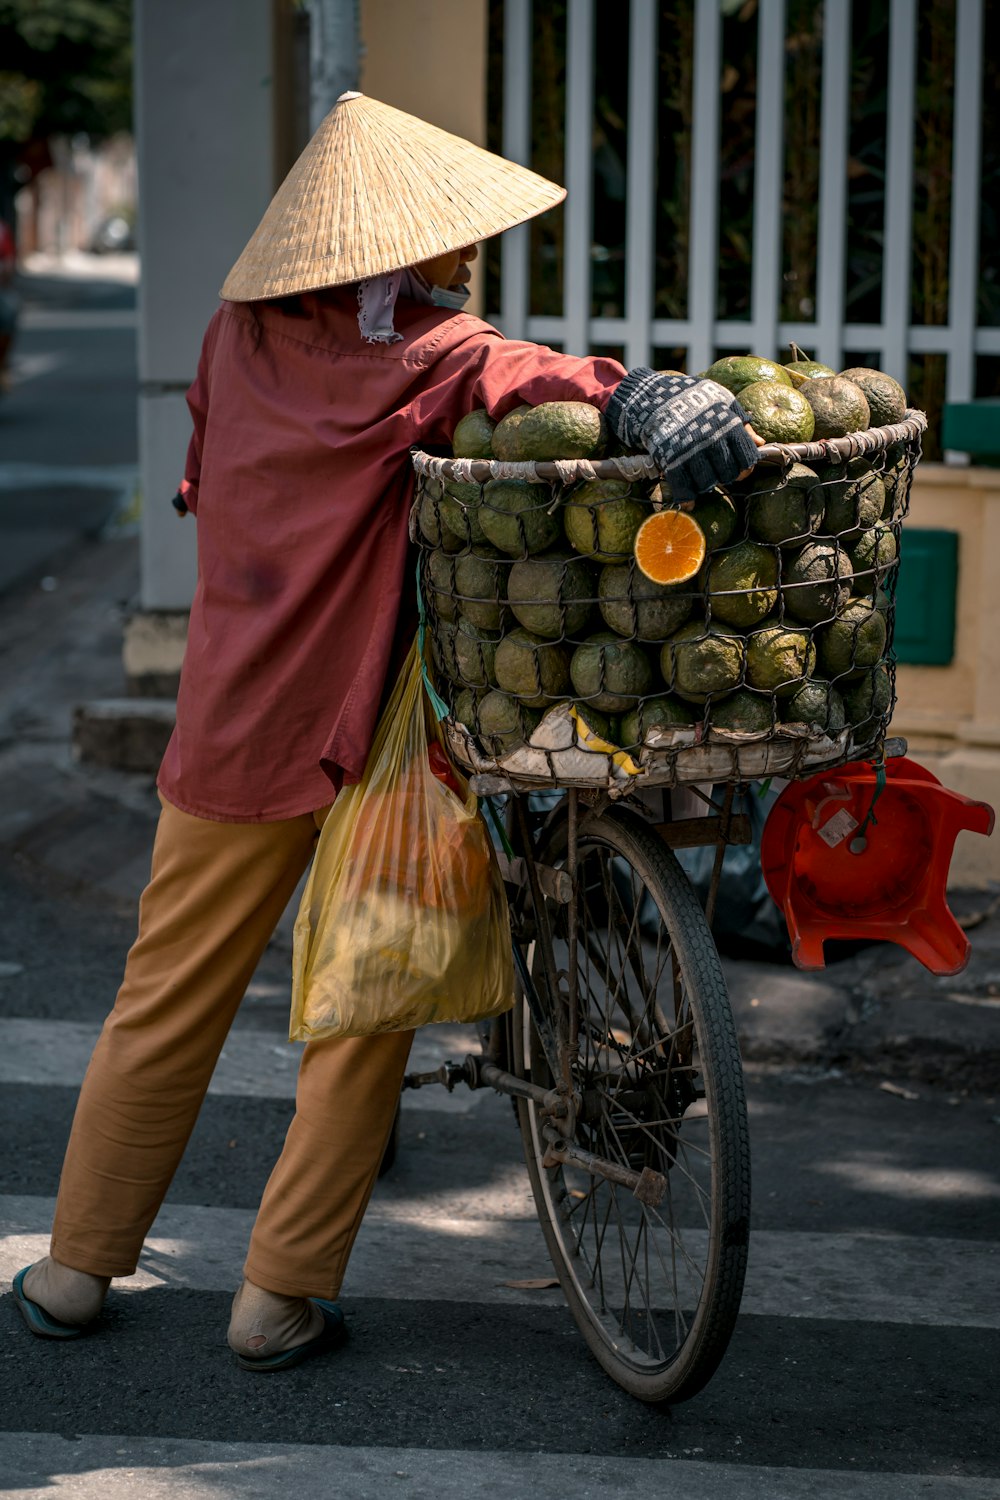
718, 1251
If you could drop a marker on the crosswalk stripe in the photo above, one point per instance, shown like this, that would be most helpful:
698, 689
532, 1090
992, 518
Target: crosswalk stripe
854, 1277
254, 1063
42, 1465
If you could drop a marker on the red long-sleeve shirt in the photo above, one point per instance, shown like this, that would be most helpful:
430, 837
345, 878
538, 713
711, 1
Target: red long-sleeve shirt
299, 474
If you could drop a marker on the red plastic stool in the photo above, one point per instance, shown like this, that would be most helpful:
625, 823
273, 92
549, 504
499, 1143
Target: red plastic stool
835, 873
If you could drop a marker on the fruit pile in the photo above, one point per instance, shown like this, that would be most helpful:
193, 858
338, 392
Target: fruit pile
765, 604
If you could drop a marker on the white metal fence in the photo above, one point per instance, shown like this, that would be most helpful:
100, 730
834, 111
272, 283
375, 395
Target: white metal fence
701, 332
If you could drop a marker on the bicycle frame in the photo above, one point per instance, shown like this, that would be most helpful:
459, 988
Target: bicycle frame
532, 929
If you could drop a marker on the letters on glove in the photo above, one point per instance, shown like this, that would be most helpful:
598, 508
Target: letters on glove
694, 429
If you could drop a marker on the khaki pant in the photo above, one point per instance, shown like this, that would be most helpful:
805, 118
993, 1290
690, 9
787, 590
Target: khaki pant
215, 896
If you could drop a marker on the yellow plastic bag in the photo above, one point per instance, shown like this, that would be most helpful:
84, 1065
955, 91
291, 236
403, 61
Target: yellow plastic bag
404, 918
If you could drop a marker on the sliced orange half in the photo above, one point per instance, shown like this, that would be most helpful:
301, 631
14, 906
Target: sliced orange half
670, 546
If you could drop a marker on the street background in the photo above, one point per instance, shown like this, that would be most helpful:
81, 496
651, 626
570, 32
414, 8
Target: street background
864, 1360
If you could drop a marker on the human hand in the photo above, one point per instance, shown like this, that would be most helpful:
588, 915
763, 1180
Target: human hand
761, 443
695, 429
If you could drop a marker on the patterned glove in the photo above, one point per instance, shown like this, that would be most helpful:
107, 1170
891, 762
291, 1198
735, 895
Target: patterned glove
692, 428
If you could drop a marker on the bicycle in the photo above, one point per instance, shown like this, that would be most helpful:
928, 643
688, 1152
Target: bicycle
622, 1056
621, 1051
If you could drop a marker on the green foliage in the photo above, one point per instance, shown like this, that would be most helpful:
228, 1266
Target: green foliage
934, 118
803, 103
675, 116
20, 101
548, 145
67, 67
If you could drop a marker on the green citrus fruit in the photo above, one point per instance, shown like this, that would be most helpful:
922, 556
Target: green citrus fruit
816, 582
838, 406
505, 723
895, 480
885, 396
701, 659
873, 552
737, 371
601, 519
460, 513
514, 516
816, 703
552, 595
510, 424
610, 673
556, 429
883, 598
778, 658
654, 713
472, 437
533, 669
430, 521
635, 606
716, 515
475, 653
749, 713
852, 642
868, 702
466, 710
801, 370
853, 496
778, 413
438, 578
742, 583
785, 509
481, 587
443, 649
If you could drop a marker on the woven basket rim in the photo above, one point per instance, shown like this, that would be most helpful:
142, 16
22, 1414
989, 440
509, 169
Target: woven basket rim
573, 470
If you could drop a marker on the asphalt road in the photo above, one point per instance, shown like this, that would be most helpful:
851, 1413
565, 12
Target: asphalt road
68, 424
864, 1362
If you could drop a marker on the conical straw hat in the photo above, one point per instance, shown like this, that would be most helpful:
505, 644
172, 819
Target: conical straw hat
377, 189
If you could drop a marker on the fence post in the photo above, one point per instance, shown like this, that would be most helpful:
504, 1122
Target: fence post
767, 186
832, 231
514, 246
702, 276
640, 228
963, 262
579, 166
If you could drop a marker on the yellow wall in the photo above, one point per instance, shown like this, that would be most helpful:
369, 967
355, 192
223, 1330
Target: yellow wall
428, 57
962, 701
951, 715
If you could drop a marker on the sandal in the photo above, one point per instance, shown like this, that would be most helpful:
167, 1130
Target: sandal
334, 1332
38, 1320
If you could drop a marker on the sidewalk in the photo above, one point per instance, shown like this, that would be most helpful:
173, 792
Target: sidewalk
89, 832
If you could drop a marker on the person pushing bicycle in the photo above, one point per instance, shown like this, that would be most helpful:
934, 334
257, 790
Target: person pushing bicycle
340, 343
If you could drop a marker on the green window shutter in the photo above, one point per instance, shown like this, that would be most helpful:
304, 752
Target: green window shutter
925, 597
973, 427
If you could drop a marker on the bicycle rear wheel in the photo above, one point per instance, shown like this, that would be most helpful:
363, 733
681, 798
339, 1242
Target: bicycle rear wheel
655, 1287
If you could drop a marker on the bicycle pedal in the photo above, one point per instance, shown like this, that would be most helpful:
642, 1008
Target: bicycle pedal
449, 1074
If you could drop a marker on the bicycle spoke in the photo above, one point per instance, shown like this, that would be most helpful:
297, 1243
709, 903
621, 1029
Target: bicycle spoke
636, 1275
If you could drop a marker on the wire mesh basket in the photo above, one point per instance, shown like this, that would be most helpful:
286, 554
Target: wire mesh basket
563, 664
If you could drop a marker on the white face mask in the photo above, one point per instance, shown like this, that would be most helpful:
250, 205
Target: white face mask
456, 299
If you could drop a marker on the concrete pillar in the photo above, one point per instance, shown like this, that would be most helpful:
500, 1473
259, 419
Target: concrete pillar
428, 57
206, 133
333, 54
221, 96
